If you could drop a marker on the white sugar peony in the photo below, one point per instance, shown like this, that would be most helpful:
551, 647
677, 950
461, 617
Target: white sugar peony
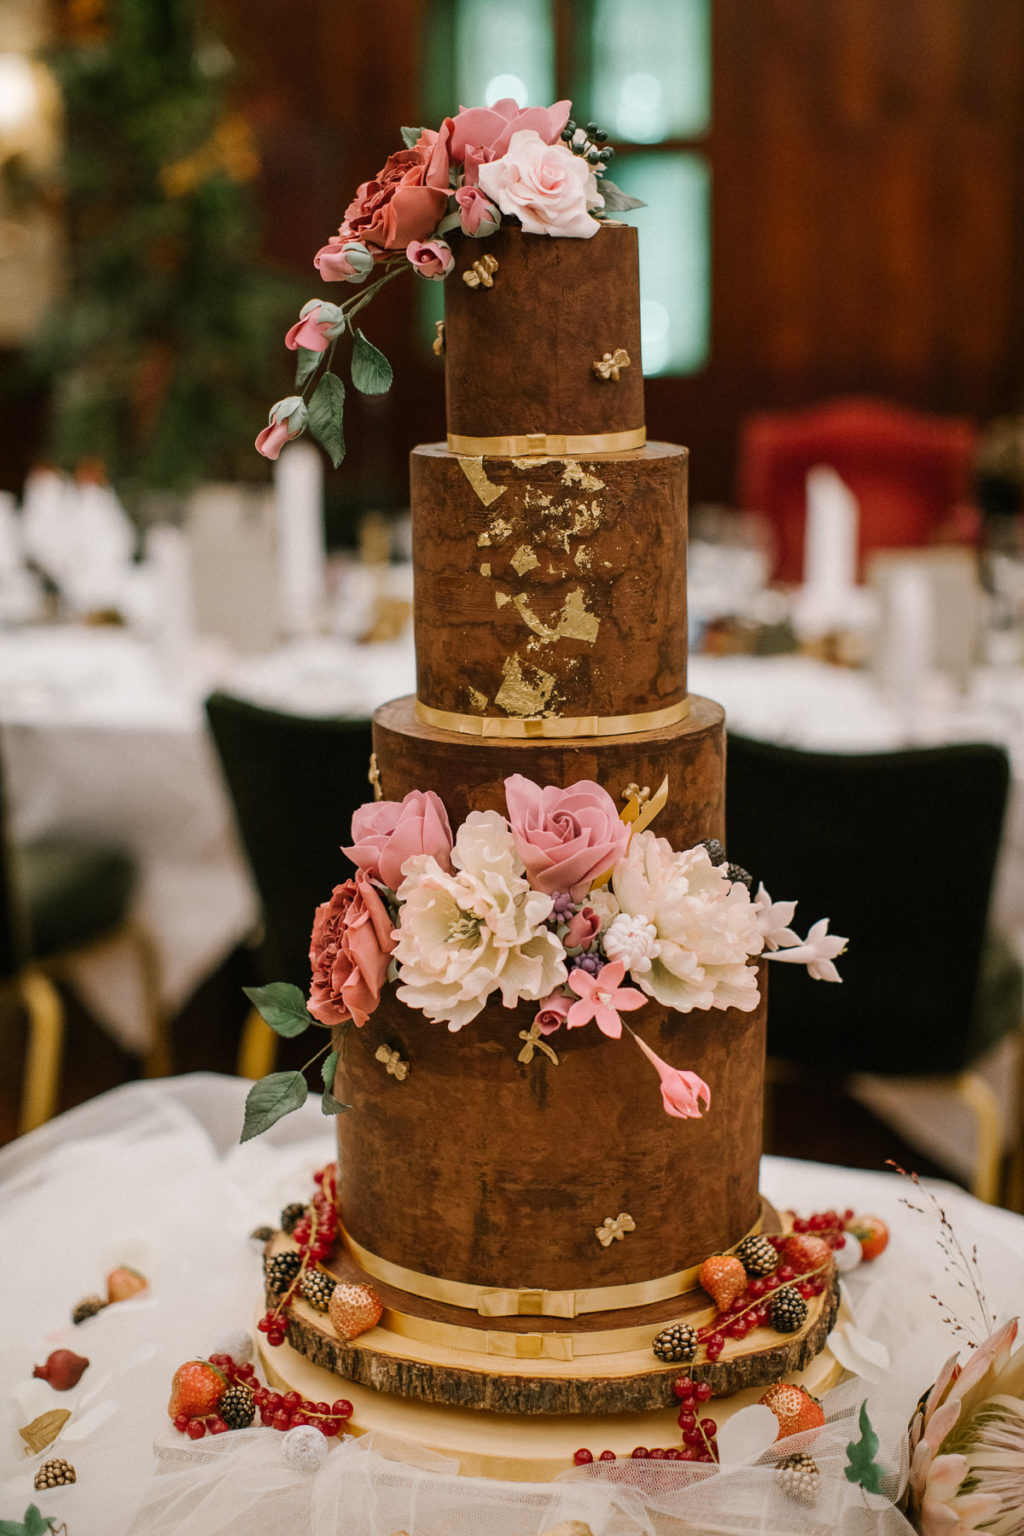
462, 936
545, 186
633, 940
705, 925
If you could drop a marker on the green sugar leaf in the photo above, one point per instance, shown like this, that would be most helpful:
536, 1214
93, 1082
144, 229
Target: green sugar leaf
615, 200
332, 1106
270, 1099
325, 416
411, 136
862, 1467
327, 1069
371, 371
282, 1006
307, 361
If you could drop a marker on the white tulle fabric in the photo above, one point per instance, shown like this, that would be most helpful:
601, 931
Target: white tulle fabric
152, 1173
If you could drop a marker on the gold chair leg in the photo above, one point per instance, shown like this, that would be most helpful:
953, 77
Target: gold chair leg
980, 1098
1013, 1190
258, 1048
44, 1051
158, 1060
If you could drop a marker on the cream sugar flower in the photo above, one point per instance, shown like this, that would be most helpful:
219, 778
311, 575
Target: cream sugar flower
705, 925
464, 935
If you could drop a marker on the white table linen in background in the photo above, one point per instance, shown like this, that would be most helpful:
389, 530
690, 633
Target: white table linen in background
153, 1170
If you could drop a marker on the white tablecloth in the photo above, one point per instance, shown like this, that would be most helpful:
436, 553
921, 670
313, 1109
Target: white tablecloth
153, 1171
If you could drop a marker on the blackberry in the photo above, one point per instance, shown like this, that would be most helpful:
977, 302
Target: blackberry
317, 1288
716, 853
800, 1478
281, 1270
55, 1473
757, 1255
788, 1310
676, 1342
291, 1216
740, 876
88, 1307
237, 1407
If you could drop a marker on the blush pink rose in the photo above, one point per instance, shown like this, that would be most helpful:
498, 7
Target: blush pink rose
565, 837
349, 951
406, 200
545, 186
477, 214
287, 420
343, 261
480, 134
584, 927
430, 258
553, 1012
317, 326
386, 833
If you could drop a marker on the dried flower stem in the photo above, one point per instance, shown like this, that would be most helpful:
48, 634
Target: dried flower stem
962, 1266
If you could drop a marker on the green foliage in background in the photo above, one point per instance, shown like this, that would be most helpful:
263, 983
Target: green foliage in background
163, 349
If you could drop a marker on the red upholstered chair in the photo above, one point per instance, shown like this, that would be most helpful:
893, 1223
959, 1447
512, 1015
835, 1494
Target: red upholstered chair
908, 471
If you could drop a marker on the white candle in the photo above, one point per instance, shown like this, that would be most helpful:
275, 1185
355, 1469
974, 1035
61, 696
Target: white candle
298, 492
830, 533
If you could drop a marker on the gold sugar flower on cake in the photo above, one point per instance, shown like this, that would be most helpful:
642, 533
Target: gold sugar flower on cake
482, 929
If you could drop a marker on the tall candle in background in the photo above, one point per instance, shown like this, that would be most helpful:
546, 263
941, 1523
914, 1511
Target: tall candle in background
299, 497
830, 533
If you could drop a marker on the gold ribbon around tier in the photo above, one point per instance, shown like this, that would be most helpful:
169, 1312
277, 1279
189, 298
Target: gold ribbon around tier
547, 445
496, 1301
525, 1346
553, 727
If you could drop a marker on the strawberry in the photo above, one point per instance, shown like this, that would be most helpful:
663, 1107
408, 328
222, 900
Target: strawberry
123, 1282
196, 1389
872, 1234
724, 1278
353, 1309
795, 1409
804, 1252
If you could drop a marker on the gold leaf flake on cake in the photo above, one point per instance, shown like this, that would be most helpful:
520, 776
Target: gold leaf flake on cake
500, 530
524, 560
575, 474
587, 519
584, 557
517, 695
575, 622
477, 700
483, 539
502, 599
474, 471
485, 569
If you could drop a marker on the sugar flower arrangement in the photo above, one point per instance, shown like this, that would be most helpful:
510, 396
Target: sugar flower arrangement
563, 902
531, 166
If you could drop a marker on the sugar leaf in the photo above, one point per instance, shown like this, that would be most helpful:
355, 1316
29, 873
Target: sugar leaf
328, 1067
325, 416
306, 363
862, 1467
615, 200
271, 1098
371, 371
411, 136
283, 1006
332, 1106
34, 1524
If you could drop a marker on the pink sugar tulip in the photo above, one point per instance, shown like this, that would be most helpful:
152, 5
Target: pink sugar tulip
681, 1092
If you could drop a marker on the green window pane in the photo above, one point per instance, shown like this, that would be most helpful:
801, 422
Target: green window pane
675, 275
650, 69
478, 51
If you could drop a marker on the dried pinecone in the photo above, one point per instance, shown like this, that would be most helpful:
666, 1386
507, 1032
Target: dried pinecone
317, 1288
291, 1216
281, 1270
757, 1255
676, 1342
788, 1310
87, 1307
55, 1473
237, 1407
800, 1477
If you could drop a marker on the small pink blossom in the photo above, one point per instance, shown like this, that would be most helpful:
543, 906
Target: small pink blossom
317, 326
565, 837
584, 927
387, 833
287, 420
681, 1092
430, 258
552, 1013
477, 214
601, 997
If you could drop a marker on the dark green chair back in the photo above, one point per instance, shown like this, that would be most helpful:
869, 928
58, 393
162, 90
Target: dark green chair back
898, 850
294, 783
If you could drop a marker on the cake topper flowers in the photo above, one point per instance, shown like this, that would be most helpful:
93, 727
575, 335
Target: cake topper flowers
528, 166
564, 903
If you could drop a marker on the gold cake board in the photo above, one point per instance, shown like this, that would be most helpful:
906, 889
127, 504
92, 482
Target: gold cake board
534, 1448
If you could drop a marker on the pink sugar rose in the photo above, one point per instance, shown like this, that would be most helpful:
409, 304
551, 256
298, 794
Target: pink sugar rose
545, 186
317, 326
565, 837
480, 134
287, 420
430, 258
405, 201
386, 833
584, 927
553, 1012
349, 952
343, 261
477, 214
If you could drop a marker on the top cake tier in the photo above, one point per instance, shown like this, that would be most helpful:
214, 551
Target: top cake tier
543, 342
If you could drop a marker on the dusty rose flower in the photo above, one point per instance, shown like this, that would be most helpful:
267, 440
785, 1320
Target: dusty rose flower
430, 258
405, 201
545, 186
552, 1013
349, 952
386, 833
287, 420
584, 927
565, 837
317, 326
681, 1092
343, 261
601, 998
484, 133
477, 214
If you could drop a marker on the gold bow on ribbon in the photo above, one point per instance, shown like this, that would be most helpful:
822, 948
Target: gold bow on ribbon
396, 1067
614, 1228
608, 366
480, 274
535, 1043
527, 1304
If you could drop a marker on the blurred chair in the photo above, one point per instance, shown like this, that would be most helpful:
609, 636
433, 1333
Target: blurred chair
899, 850
60, 896
294, 783
910, 472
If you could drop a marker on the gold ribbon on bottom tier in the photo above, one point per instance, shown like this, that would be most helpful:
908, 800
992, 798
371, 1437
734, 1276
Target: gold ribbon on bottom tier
528, 445
553, 727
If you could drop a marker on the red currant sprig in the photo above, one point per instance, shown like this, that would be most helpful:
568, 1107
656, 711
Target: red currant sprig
279, 1410
826, 1224
315, 1234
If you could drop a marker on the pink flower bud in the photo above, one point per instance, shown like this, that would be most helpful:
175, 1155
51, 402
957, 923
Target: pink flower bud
430, 258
